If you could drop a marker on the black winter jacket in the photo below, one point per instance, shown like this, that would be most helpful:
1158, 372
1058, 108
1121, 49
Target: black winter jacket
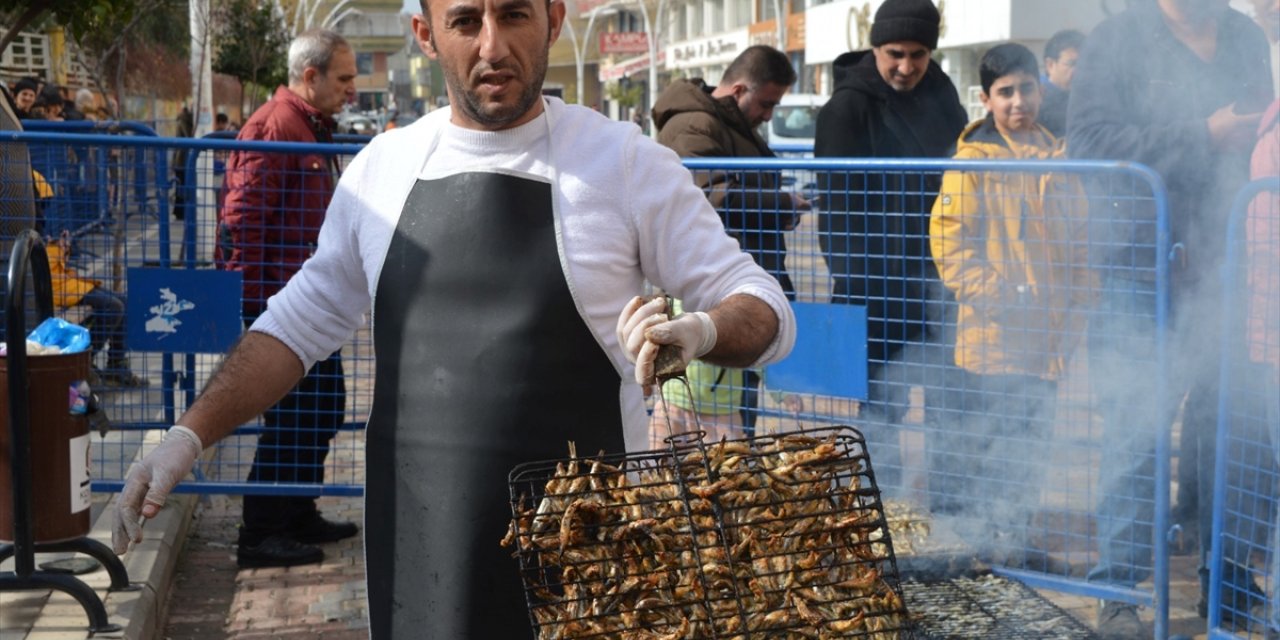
874, 231
1139, 94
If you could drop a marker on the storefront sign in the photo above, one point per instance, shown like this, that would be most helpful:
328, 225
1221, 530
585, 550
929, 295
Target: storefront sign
765, 33
836, 28
624, 42
628, 67
719, 49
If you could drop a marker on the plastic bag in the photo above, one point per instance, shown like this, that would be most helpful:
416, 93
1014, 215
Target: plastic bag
67, 337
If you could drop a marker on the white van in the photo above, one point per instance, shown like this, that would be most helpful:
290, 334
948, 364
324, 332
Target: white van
794, 121
790, 134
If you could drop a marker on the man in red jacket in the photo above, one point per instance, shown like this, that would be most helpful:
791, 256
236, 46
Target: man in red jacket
273, 206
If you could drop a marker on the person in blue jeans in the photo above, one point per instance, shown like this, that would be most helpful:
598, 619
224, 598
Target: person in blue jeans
1170, 84
1273, 420
1262, 327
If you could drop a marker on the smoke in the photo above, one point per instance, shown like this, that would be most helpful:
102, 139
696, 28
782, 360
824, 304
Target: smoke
1064, 464
1040, 452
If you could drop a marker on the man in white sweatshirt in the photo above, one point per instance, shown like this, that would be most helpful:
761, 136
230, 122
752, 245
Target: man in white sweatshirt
495, 243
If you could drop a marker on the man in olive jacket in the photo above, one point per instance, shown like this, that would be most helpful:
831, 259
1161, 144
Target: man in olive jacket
697, 121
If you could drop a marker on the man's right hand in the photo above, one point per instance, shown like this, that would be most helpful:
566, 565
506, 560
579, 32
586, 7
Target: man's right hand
1230, 131
149, 482
799, 203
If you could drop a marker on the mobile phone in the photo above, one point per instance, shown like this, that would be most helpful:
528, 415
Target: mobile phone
1253, 102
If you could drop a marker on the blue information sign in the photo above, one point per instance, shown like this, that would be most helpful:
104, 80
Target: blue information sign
830, 356
183, 310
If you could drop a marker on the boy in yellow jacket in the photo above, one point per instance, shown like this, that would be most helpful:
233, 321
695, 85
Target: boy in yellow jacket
106, 319
1012, 246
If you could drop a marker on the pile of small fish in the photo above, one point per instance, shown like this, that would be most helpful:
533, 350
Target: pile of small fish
910, 526
777, 537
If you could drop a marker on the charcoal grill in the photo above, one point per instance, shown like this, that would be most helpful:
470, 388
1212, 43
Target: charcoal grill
987, 607
953, 595
768, 537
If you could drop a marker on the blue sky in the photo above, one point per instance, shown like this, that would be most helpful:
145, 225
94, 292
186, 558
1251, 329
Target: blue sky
411, 6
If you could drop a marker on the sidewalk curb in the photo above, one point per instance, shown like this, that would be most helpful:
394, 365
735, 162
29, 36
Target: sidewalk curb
151, 565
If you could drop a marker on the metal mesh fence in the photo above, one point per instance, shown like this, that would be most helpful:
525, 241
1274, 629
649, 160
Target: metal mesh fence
1246, 566
1001, 345
996, 330
133, 249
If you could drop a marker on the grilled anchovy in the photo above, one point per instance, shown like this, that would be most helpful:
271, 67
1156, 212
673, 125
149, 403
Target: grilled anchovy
778, 537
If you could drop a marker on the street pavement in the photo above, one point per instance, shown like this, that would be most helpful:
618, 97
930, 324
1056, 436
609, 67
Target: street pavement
213, 600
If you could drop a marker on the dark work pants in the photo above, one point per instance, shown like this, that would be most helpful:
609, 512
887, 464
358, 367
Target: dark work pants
293, 448
106, 323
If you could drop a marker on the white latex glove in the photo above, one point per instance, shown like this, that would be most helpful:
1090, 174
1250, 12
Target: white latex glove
636, 317
694, 333
149, 482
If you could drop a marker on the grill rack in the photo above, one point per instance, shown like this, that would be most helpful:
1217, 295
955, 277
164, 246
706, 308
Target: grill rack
780, 536
987, 607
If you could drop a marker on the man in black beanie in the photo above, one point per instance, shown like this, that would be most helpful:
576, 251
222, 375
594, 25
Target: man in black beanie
890, 102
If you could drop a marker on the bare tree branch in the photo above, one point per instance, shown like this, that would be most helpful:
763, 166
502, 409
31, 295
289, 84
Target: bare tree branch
33, 11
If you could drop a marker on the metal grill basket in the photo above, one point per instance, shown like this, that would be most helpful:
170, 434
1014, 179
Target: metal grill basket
775, 536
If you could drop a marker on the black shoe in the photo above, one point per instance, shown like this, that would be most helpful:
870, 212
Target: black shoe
277, 551
122, 378
1248, 606
317, 530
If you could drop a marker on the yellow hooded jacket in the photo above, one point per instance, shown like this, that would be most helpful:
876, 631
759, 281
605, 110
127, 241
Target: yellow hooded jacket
68, 287
1013, 246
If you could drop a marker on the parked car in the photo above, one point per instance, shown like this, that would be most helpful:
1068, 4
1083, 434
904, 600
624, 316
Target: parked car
357, 123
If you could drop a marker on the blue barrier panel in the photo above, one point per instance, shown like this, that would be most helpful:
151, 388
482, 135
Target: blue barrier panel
830, 356
1016, 354
149, 245
1245, 566
1018, 467
183, 310
90, 126
93, 184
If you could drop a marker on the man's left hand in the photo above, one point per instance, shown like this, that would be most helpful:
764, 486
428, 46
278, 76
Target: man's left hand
636, 317
694, 333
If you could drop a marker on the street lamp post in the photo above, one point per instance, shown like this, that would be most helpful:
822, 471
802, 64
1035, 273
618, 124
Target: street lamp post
580, 48
304, 15
782, 24
652, 37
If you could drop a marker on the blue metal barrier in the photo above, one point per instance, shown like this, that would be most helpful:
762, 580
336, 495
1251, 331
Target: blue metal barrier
1245, 553
90, 126
147, 245
961, 442
1049, 536
90, 187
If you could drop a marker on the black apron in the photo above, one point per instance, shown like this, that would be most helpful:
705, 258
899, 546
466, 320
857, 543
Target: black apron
484, 361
